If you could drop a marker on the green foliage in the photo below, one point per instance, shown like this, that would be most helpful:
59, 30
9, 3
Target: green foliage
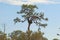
28, 9
25, 35
16, 20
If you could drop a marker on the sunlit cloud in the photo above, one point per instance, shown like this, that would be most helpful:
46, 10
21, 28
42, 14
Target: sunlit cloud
20, 2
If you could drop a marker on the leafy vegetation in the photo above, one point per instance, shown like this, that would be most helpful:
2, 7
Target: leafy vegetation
19, 35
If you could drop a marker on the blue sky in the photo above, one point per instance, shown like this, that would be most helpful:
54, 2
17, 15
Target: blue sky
51, 8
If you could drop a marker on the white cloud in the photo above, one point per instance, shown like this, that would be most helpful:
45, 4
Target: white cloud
20, 2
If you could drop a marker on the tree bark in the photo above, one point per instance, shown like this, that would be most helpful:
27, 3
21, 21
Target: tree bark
29, 23
29, 26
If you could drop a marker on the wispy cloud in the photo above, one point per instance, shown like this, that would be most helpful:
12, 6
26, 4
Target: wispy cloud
20, 2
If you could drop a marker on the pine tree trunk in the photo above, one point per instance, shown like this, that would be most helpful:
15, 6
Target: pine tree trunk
29, 26
29, 23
